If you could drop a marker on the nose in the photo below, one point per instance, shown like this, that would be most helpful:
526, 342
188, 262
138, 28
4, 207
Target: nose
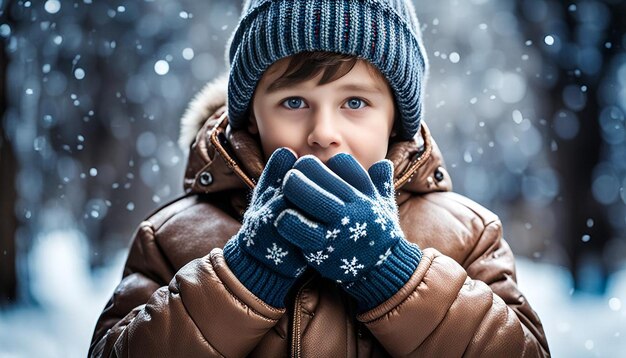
325, 129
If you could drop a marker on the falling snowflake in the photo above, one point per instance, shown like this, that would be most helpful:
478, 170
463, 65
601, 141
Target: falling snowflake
276, 253
332, 234
317, 257
351, 266
330, 249
358, 231
382, 258
345, 220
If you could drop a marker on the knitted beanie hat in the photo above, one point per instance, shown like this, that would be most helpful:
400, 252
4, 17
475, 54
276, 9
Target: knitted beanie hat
384, 32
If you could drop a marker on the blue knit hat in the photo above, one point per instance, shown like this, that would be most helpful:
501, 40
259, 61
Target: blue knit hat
384, 32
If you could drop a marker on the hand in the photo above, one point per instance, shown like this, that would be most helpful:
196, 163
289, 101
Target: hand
347, 225
264, 262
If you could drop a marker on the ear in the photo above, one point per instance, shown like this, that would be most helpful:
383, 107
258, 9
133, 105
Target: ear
396, 127
253, 127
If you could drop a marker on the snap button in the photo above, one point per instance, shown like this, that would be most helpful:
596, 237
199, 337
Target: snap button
206, 178
439, 174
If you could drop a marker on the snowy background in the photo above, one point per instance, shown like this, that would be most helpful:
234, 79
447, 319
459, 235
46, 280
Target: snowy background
525, 98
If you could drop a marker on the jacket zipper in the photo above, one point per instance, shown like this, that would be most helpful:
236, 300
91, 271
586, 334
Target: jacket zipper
295, 333
296, 339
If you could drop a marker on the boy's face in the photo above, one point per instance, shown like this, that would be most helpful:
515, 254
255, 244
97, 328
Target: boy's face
353, 114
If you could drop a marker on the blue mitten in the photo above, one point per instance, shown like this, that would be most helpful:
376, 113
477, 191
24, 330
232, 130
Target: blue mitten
264, 262
347, 226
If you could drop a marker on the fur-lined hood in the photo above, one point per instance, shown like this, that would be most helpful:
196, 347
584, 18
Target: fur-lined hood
212, 97
418, 163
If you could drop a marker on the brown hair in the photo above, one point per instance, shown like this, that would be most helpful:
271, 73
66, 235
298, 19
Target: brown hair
304, 66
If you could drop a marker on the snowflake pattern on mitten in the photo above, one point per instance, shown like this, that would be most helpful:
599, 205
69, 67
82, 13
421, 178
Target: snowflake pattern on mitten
263, 261
346, 222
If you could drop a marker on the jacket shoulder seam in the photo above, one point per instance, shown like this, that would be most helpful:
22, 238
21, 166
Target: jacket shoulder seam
158, 217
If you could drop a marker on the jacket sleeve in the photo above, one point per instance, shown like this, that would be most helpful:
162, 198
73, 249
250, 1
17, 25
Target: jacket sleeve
204, 308
446, 310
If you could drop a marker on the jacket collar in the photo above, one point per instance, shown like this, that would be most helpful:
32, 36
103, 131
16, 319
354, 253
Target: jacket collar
220, 159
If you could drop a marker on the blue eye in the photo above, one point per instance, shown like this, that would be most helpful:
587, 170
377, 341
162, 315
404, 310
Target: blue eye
293, 103
355, 103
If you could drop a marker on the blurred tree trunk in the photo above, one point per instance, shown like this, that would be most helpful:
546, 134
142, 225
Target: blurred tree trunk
108, 150
8, 170
575, 159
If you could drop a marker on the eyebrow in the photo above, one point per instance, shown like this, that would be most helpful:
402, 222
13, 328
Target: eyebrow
352, 87
361, 88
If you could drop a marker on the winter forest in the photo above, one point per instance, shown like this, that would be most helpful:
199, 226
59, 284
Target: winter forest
526, 99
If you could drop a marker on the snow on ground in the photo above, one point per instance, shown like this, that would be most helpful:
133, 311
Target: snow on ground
576, 325
71, 300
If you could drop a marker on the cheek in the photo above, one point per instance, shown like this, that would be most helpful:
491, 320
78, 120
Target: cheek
370, 145
277, 134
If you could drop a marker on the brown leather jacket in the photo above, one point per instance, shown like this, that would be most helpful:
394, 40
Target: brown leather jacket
178, 297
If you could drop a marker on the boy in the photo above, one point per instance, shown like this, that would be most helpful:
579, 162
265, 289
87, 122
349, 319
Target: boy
324, 258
